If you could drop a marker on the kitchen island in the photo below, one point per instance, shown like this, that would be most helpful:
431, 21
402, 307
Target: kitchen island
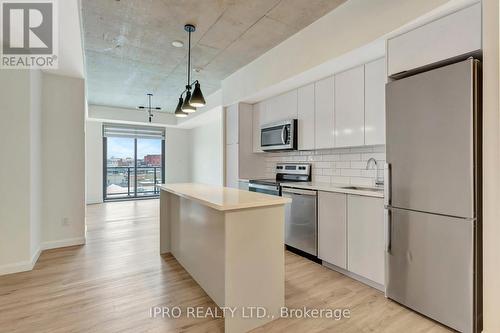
232, 243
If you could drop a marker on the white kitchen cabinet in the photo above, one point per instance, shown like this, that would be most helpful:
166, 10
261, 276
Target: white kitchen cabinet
305, 116
281, 107
324, 116
258, 110
232, 165
375, 78
232, 124
240, 161
349, 107
450, 36
365, 230
332, 228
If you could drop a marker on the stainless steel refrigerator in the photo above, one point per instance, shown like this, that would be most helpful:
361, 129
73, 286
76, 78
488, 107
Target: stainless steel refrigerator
433, 241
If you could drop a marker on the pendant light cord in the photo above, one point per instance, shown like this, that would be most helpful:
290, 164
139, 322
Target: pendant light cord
189, 60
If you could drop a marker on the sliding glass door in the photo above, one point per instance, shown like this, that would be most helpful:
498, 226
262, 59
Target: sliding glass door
133, 162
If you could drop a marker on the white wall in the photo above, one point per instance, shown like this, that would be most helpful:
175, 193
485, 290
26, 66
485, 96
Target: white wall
177, 155
20, 176
63, 152
93, 162
15, 170
130, 116
207, 153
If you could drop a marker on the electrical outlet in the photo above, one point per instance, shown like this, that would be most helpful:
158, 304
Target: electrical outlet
65, 221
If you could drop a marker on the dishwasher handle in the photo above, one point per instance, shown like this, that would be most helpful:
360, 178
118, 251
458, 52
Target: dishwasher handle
298, 191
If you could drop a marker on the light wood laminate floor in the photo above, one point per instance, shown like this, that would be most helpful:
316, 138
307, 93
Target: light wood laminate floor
110, 284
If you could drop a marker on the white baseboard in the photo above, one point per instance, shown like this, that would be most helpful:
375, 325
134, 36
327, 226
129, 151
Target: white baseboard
355, 276
63, 243
22, 266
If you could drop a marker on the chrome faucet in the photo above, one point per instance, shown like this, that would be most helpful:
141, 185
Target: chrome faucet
379, 181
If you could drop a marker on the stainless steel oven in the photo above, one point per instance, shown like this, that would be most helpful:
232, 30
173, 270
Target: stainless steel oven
279, 136
264, 186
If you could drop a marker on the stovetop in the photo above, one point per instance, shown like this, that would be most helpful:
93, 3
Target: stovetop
287, 172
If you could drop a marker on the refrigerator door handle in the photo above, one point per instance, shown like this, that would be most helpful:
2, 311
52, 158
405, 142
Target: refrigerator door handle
387, 188
388, 229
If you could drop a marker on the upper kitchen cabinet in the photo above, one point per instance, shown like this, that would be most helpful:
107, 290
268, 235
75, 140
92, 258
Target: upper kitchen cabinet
232, 124
240, 161
258, 110
282, 107
324, 115
456, 34
375, 78
305, 116
350, 107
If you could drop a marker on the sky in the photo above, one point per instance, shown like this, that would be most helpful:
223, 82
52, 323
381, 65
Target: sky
124, 147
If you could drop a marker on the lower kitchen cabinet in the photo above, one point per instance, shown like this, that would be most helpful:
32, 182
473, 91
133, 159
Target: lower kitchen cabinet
332, 225
366, 237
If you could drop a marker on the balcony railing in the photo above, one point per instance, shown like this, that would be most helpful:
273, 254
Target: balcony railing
126, 182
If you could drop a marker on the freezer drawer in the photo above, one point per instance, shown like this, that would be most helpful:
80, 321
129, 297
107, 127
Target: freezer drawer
430, 265
431, 139
301, 220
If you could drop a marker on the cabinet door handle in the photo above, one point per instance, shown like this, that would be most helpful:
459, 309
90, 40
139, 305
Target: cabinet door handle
388, 230
388, 184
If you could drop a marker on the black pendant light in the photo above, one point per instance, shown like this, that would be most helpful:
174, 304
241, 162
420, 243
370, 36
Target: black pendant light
191, 101
197, 99
186, 106
178, 110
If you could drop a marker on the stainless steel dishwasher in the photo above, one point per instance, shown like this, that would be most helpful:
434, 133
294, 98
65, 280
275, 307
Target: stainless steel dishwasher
301, 220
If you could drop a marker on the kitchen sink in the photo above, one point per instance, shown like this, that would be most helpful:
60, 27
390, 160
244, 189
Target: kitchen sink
360, 188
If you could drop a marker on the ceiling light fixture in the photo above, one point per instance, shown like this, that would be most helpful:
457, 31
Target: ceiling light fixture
149, 107
177, 43
191, 101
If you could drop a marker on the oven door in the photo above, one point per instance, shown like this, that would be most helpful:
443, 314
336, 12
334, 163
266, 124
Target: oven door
266, 189
278, 136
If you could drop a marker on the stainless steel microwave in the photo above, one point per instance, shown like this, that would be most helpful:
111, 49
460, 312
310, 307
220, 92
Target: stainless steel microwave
279, 136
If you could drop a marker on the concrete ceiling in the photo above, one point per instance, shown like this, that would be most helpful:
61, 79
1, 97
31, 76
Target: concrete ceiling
129, 53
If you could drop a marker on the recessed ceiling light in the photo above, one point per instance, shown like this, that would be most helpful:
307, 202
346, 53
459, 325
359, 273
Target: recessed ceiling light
177, 43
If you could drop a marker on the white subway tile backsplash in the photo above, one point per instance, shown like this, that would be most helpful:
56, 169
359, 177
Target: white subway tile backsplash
321, 179
362, 181
331, 172
358, 164
350, 157
369, 173
377, 156
323, 165
341, 180
341, 166
350, 172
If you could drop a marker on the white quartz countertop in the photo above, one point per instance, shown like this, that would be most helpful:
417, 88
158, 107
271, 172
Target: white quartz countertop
339, 188
223, 198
